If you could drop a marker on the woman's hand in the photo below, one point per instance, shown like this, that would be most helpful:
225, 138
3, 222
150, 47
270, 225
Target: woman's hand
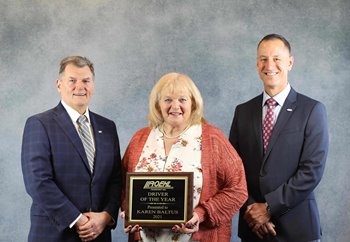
189, 227
130, 228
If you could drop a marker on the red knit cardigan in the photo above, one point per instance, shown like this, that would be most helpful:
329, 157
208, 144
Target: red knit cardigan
224, 188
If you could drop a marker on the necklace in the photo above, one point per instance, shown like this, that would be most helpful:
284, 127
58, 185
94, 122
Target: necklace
175, 136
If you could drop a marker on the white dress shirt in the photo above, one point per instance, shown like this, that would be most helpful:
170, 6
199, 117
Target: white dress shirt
280, 98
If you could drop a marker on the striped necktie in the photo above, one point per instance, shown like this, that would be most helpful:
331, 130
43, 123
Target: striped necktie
86, 138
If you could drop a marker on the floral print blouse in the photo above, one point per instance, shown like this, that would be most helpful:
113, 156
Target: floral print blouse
184, 156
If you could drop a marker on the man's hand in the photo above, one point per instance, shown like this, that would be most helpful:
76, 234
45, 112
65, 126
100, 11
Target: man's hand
94, 226
81, 221
257, 214
258, 219
264, 229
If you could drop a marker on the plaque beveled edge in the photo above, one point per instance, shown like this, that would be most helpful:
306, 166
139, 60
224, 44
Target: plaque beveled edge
188, 198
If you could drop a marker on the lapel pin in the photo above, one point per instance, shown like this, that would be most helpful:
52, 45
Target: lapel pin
289, 109
100, 131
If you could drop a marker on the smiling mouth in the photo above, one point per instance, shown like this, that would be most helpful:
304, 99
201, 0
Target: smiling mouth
79, 94
175, 113
271, 73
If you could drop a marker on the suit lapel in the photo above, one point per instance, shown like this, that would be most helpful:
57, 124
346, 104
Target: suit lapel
286, 112
98, 142
257, 124
64, 121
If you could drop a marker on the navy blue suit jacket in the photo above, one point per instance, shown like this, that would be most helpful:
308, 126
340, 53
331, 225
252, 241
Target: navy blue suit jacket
286, 176
57, 176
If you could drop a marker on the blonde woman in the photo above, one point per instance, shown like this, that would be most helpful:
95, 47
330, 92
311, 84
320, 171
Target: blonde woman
179, 139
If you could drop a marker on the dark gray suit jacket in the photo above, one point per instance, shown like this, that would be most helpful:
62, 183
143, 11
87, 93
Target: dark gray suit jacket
286, 176
57, 176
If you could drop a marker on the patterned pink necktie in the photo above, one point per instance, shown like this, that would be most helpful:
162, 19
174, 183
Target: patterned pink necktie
268, 121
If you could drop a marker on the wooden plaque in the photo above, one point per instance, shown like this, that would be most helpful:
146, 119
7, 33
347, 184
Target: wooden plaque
158, 199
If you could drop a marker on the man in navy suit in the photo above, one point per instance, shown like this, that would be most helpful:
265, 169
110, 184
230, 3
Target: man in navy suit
281, 176
72, 199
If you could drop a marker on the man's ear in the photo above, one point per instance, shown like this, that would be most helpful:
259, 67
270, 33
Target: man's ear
291, 62
58, 85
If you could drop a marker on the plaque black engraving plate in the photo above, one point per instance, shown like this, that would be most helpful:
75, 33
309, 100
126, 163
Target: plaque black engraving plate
158, 199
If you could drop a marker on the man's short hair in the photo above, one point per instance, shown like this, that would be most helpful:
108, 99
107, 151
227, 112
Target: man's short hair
78, 61
276, 36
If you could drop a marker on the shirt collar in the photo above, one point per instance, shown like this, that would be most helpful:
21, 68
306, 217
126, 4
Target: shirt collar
279, 98
73, 114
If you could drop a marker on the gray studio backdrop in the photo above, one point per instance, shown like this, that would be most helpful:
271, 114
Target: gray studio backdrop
134, 42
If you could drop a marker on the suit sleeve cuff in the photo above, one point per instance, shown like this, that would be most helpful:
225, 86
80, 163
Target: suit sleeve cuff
75, 221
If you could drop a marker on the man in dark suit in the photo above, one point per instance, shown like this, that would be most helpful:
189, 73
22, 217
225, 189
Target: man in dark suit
72, 169
284, 147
